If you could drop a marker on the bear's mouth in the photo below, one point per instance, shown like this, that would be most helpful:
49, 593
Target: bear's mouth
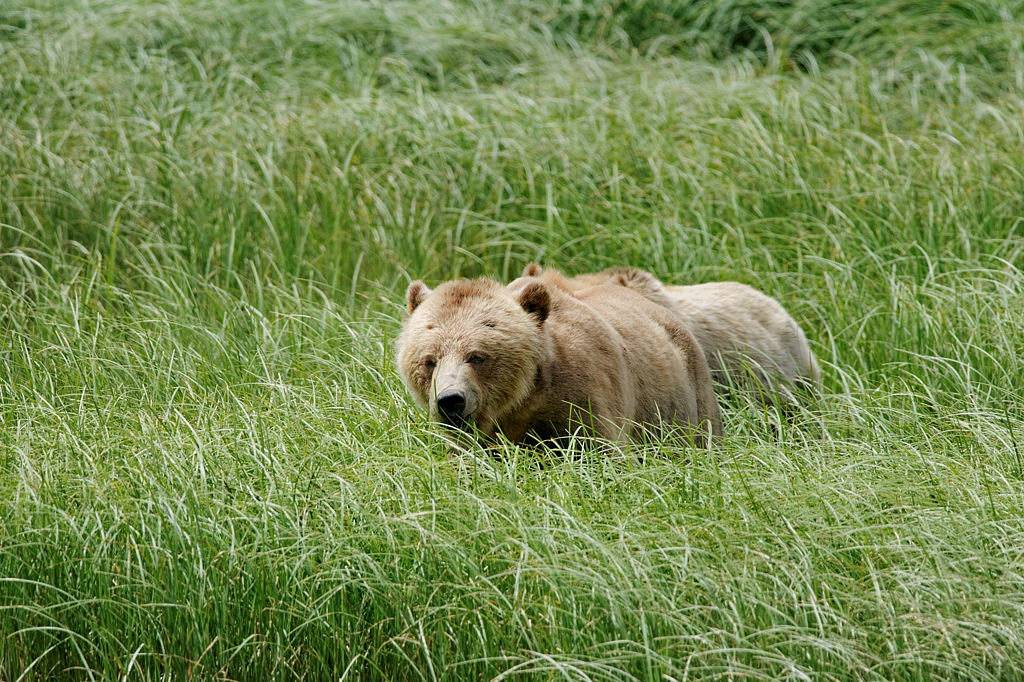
459, 422
466, 423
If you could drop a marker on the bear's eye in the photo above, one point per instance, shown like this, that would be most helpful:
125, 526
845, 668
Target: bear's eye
429, 363
476, 359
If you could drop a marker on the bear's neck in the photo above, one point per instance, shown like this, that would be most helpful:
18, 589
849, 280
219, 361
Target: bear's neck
542, 378
519, 420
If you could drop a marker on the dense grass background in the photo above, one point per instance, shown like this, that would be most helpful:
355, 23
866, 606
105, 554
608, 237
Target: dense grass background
208, 212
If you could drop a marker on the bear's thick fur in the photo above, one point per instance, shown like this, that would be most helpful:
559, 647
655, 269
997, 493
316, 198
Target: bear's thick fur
528, 359
743, 331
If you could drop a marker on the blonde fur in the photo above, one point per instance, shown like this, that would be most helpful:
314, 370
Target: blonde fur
609, 353
742, 331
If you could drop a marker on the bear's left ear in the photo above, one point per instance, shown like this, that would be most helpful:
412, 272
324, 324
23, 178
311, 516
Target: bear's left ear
535, 300
415, 294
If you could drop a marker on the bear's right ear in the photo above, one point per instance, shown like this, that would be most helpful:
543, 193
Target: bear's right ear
532, 269
415, 294
535, 300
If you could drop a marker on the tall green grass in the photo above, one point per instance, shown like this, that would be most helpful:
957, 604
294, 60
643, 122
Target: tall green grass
208, 212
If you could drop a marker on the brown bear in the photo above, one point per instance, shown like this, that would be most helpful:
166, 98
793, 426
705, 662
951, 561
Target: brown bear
526, 359
743, 332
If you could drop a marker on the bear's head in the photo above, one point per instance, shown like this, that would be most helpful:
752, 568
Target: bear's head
471, 351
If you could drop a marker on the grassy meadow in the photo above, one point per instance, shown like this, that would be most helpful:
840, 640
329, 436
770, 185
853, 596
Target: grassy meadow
209, 211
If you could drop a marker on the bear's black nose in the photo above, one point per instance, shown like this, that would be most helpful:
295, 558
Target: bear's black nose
451, 405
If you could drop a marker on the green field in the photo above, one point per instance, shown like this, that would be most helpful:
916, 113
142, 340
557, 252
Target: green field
209, 211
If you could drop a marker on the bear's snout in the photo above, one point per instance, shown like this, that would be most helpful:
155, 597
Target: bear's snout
451, 406
455, 402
